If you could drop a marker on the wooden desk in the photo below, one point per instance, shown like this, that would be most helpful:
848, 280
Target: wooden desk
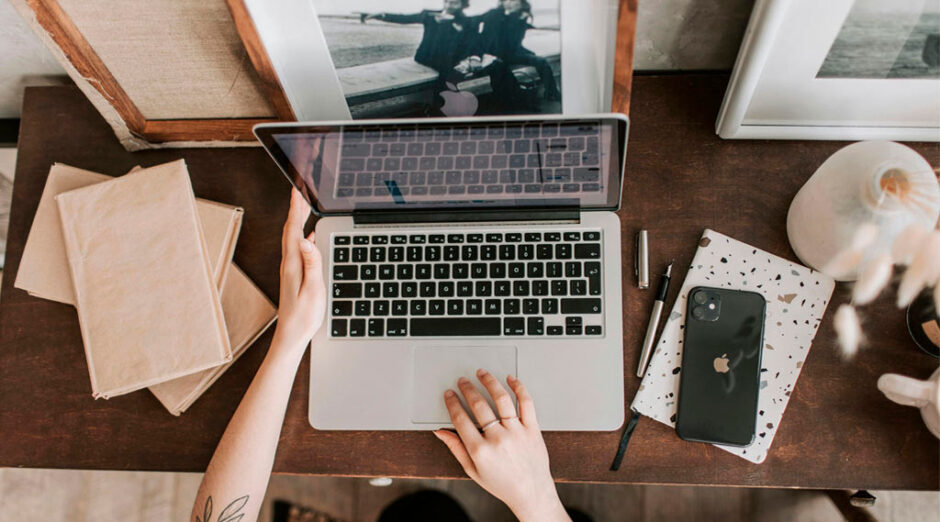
839, 432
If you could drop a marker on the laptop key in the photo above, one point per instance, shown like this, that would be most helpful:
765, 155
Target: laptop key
511, 306
361, 240
536, 325
549, 306
437, 307
423, 271
587, 251
380, 308
539, 287
514, 326
357, 328
573, 330
345, 273
373, 290
555, 330
530, 306
535, 270
455, 326
341, 240
419, 307
572, 269
363, 308
581, 306
464, 289
405, 272
341, 255
386, 272
516, 270
553, 269
368, 272
376, 327
492, 306
560, 287
454, 307
397, 328
399, 307
578, 287
478, 270
484, 288
409, 289
474, 306
445, 289
338, 327
360, 254
347, 290
592, 330
342, 308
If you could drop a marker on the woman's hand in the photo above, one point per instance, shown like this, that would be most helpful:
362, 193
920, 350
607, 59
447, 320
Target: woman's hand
508, 458
303, 294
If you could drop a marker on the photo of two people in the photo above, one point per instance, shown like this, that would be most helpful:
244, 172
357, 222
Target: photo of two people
458, 58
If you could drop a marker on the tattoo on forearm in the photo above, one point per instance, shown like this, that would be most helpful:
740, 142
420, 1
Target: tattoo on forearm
231, 513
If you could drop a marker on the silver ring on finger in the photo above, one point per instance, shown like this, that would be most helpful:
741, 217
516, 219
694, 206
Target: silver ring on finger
512, 417
489, 424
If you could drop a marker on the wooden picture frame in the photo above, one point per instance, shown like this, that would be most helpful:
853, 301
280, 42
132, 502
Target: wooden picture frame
133, 129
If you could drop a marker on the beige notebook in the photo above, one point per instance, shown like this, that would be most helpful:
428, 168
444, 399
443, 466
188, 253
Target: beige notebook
147, 302
44, 269
248, 313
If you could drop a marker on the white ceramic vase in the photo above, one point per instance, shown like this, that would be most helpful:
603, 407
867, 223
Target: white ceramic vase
879, 182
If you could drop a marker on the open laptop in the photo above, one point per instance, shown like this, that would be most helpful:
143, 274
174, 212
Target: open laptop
457, 244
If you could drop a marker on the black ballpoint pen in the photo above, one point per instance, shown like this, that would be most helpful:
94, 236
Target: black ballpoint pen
650, 339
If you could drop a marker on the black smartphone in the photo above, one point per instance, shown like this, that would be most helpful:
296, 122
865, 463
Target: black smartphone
721, 361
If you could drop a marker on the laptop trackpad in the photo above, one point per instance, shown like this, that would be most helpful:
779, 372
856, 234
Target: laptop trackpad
437, 368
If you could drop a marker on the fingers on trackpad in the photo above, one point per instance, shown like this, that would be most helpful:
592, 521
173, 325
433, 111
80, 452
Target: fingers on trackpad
437, 368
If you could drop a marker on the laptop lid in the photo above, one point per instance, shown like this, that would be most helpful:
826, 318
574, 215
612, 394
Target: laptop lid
500, 164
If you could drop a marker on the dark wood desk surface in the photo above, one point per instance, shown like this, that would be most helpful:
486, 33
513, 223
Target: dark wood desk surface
839, 432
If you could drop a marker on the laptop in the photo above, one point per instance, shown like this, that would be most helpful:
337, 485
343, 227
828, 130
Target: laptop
463, 243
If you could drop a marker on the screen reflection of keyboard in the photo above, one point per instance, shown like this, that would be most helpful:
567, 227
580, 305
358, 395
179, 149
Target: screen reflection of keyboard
485, 159
468, 284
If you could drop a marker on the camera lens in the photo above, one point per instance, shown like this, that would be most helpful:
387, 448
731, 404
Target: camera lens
698, 312
700, 297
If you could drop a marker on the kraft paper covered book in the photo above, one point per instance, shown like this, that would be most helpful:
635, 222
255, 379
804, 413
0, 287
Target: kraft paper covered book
248, 313
147, 301
44, 270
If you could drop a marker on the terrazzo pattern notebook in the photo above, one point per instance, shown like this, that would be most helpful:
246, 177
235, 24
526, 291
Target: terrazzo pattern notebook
796, 301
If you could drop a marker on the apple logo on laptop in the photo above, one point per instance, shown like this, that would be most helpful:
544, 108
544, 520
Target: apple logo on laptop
721, 363
458, 103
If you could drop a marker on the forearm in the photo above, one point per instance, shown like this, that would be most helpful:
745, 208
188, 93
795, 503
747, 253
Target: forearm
401, 18
241, 465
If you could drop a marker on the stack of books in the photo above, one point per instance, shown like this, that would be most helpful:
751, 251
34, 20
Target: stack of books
149, 269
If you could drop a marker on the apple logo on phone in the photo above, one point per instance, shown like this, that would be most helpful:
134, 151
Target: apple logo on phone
721, 364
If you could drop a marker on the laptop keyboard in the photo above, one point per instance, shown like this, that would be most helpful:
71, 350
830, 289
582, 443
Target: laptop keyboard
531, 159
495, 284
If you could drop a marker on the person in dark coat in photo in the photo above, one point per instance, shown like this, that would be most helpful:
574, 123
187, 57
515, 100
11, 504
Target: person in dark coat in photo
447, 33
500, 34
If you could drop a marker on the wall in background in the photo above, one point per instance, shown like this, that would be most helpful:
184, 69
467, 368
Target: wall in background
671, 35
24, 61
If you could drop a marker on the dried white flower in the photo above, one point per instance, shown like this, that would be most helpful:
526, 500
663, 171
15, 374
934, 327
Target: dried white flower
849, 329
846, 262
872, 279
924, 271
908, 241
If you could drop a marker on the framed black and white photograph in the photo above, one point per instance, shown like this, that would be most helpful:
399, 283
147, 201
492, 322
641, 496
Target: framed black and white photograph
840, 69
414, 58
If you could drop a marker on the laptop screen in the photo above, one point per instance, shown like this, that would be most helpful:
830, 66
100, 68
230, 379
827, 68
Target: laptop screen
445, 164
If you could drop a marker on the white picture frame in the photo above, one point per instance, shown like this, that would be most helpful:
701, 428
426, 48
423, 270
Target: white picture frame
774, 91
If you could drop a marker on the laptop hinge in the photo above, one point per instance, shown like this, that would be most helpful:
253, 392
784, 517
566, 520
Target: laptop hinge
466, 216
